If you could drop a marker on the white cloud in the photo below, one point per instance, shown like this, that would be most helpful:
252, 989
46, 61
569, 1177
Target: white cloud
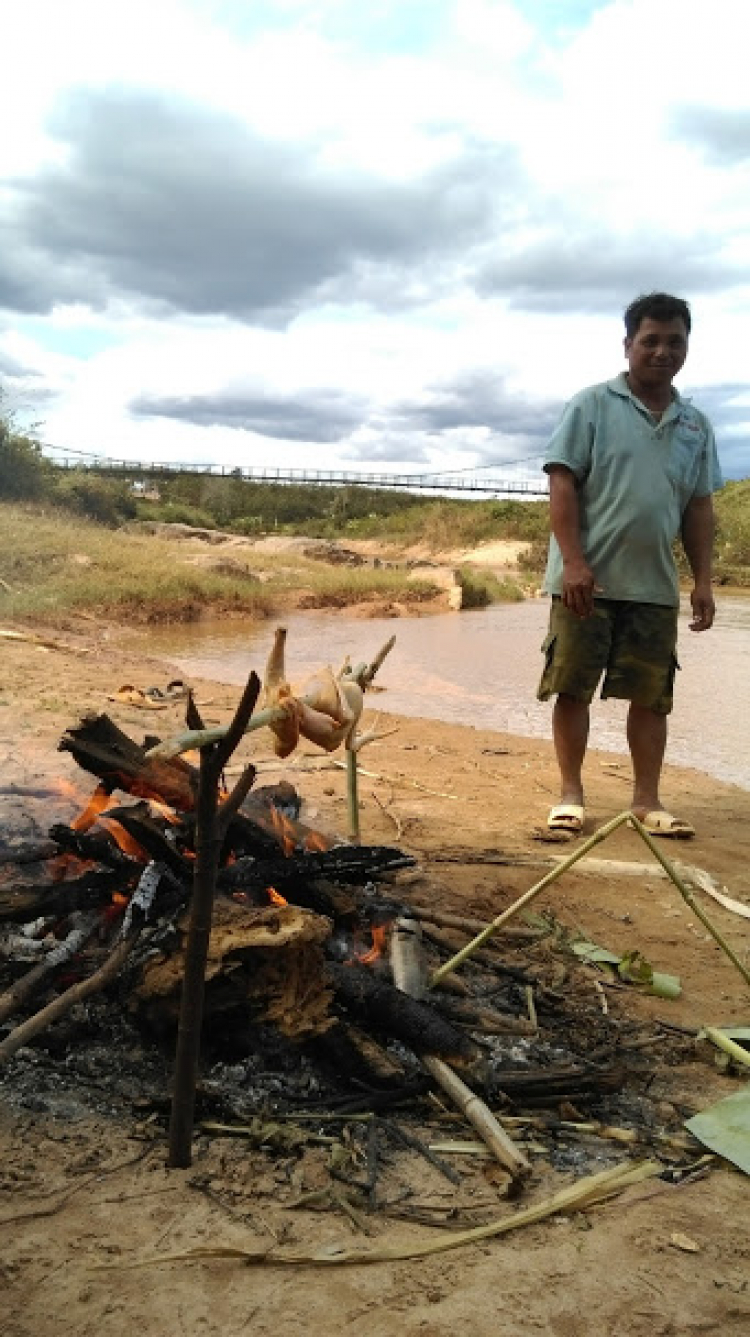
473, 193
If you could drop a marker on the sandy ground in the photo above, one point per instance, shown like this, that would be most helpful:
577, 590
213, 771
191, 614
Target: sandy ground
80, 1200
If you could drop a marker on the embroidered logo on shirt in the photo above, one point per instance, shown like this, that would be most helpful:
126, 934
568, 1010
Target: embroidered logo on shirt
691, 424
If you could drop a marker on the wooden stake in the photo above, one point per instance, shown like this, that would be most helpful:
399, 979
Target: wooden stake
209, 831
352, 795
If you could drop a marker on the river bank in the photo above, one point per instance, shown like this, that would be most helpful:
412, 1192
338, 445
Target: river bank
454, 797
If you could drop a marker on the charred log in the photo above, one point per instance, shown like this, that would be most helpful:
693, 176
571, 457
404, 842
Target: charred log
548, 1086
352, 865
345, 1049
58, 899
96, 847
378, 1004
24, 854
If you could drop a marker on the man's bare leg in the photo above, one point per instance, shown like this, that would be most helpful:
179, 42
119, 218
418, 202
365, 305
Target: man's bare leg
647, 740
570, 732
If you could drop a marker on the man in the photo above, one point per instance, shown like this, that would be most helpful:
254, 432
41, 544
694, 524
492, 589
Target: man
631, 465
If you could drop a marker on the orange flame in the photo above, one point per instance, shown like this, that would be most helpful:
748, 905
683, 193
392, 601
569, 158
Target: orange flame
284, 832
100, 799
163, 810
315, 843
289, 836
379, 944
96, 810
123, 840
275, 896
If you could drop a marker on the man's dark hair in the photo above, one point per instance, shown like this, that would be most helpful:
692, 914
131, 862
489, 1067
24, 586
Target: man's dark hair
655, 306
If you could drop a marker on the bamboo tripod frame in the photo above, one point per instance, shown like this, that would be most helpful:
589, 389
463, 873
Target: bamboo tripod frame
455, 961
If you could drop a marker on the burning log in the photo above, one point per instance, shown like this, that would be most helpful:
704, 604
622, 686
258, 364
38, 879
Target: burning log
96, 848
348, 864
53, 897
105, 751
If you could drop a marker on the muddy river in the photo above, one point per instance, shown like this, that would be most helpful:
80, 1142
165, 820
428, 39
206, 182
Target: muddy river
481, 668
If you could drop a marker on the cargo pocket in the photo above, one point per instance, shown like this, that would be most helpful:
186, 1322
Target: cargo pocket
674, 668
664, 704
546, 687
548, 645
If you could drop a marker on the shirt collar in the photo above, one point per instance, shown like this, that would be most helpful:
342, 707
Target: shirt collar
619, 386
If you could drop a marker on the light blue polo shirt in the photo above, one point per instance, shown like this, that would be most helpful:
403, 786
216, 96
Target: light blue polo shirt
635, 477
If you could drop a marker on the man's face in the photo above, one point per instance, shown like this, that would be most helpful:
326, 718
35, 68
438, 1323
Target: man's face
657, 351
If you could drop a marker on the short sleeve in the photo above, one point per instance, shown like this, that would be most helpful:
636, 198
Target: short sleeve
709, 478
572, 439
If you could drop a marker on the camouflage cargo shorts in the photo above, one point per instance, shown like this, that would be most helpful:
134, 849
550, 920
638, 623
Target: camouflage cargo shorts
632, 644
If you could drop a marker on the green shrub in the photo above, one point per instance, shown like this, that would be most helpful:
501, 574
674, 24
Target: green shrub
534, 560
481, 588
24, 472
107, 502
176, 513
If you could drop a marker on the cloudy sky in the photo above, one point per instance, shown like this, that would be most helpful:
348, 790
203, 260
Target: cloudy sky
387, 234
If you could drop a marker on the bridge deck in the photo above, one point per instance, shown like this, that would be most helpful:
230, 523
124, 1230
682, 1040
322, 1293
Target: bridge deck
469, 482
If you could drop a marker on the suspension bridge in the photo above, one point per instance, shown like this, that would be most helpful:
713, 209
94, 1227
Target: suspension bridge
487, 483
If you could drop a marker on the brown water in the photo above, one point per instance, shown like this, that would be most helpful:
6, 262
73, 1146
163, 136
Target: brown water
481, 668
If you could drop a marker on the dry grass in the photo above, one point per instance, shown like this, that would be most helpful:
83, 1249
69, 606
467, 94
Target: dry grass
52, 564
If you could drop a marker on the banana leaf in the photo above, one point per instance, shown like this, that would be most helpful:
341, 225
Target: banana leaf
725, 1128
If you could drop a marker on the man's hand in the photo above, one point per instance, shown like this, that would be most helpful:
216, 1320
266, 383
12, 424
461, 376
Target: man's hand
704, 608
579, 587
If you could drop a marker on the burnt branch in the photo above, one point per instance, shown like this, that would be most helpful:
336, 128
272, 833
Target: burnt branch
65, 1001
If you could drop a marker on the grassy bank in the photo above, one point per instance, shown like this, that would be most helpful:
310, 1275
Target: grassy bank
53, 563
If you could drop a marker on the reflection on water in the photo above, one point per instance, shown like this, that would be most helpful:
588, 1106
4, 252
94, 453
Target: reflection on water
481, 668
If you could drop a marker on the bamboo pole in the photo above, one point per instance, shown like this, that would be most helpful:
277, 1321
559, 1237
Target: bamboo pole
481, 1119
406, 964
727, 1045
455, 961
449, 966
689, 898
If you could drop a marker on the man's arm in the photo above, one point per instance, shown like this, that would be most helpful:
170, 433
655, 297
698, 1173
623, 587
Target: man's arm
579, 581
698, 529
